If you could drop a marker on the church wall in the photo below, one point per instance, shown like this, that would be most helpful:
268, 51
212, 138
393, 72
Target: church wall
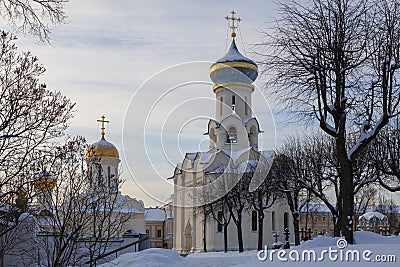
136, 223
215, 241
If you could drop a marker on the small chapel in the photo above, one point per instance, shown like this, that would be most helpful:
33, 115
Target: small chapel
233, 146
103, 161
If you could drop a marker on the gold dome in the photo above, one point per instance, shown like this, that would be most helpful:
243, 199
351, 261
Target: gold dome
102, 148
44, 181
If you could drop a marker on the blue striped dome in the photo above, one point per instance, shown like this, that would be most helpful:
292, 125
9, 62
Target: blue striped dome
233, 68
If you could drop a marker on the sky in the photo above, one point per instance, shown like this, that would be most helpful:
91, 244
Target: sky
119, 58
144, 65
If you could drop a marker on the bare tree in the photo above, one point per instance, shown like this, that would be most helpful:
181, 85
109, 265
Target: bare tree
390, 209
287, 179
262, 198
30, 116
308, 170
220, 213
385, 155
83, 222
337, 62
33, 16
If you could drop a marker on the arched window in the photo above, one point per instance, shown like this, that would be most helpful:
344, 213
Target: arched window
254, 220
109, 176
285, 220
273, 220
220, 219
99, 177
246, 106
90, 176
253, 136
233, 100
221, 105
232, 135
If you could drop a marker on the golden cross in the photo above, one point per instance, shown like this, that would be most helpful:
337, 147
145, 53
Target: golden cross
233, 27
102, 126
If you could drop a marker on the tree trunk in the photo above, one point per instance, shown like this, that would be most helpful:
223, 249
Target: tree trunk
225, 238
260, 232
240, 233
296, 228
348, 205
346, 191
338, 221
204, 230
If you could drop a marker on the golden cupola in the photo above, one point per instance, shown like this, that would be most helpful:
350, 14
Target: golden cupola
102, 148
44, 181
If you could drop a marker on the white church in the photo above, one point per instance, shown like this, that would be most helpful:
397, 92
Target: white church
233, 138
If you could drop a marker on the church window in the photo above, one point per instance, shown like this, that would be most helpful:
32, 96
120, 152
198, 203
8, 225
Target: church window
254, 220
285, 220
233, 100
246, 106
232, 135
315, 218
109, 176
273, 220
324, 219
90, 176
99, 176
221, 103
158, 233
220, 219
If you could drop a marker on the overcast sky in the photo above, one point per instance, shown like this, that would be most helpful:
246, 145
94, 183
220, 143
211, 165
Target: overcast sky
144, 65
116, 58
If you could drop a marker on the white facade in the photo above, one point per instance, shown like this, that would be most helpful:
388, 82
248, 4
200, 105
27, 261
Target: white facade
103, 161
233, 147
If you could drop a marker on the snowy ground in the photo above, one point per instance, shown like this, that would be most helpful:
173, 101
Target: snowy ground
371, 248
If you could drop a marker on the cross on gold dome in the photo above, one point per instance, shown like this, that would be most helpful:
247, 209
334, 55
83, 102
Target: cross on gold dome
233, 27
102, 126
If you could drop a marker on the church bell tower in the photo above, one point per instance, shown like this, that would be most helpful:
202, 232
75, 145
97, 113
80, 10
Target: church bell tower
234, 126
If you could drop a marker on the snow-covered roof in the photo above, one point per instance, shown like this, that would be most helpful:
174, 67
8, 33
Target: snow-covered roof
268, 154
220, 169
154, 215
234, 155
192, 155
369, 215
5, 207
205, 157
233, 55
315, 208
